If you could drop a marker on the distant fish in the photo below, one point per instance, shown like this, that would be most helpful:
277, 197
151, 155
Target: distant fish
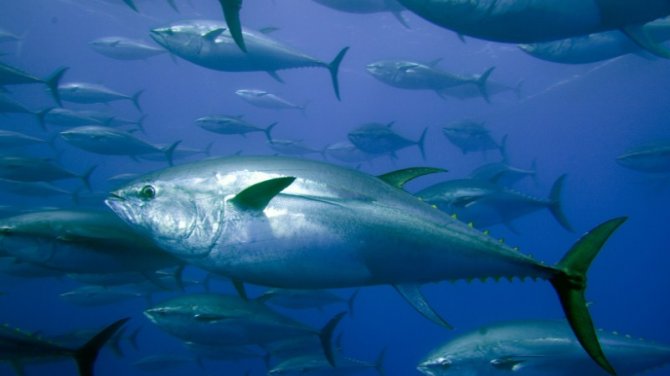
13, 76
316, 364
9, 105
179, 153
209, 44
502, 173
7, 36
471, 136
11, 139
416, 76
67, 117
20, 347
121, 48
304, 299
39, 189
81, 92
292, 147
34, 169
536, 347
110, 141
18, 268
78, 241
232, 125
95, 296
485, 204
377, 138
367, 7
215, 320
263, 99
652, 158
596, 47
345, 151
493, 88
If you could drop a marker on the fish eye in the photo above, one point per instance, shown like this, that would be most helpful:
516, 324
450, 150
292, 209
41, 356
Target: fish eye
147, 192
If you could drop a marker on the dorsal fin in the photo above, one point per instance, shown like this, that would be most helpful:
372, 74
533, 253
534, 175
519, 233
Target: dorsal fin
213, 34
399, 178
257, 196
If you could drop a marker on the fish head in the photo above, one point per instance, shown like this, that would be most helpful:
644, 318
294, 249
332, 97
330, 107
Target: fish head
181, 213
470, 363
188, 38
384, 70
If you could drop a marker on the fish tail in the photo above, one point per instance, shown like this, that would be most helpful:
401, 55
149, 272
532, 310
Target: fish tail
140, 123
136, 100
268, 130
556, 206
87, 354
231, 12
41, 117
326, 336
169, 152
570, 284
131, 4
379, 362
334, 67
422, 143
132, 338
86, 177
481, 84
52, 83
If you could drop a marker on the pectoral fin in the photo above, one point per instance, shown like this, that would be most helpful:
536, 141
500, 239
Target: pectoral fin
413, 295
258, 196
212, 35
512, 363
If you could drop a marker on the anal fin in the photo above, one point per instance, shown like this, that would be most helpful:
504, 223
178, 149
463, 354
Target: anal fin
412, 294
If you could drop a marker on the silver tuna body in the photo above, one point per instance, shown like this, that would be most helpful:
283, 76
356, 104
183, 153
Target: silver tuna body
538, 348
332, 227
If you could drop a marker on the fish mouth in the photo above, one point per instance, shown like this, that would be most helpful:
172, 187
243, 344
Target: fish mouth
424, 369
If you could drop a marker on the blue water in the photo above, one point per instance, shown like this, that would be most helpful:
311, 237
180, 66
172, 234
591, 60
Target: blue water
571, 119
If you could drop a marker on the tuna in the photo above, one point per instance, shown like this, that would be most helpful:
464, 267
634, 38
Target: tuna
121, 48
263, 99
537, 347
82, 92
19, 346
13, 76
305, 299
416, 76
31, 169
304, 224
208, 44
472, 136
219, 320
232, 125
108, 141
597, 46
532, 21
484, 203
650, 158
80, 242
377, 138
11, 139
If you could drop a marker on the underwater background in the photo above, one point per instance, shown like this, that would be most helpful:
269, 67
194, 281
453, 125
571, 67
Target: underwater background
570, 119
